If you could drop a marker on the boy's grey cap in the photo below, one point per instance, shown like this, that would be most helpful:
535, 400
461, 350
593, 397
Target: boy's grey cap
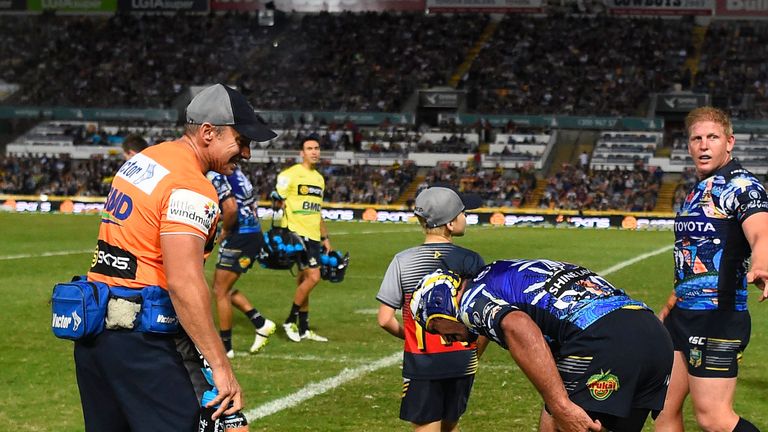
220, 105
440, 205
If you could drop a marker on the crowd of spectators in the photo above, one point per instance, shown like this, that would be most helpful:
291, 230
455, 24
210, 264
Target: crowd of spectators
59, 176
577, 65
62, 176
497, 187
320, 62
579, 188
122, 61
359, 62
367, 184
375, 61
731, 69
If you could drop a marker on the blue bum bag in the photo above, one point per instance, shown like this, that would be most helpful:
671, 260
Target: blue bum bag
78, 309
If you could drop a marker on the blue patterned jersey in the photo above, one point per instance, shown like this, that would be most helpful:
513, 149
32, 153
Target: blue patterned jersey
711, 251
238, 186
561, 298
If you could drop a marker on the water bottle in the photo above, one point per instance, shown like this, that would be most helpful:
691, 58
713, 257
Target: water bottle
289, 249
333, 261
324, 259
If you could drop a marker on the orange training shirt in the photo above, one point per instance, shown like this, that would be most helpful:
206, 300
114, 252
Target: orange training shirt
160, 191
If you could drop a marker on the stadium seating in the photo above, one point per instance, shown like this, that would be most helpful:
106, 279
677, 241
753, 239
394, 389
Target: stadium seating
750, 149
624, 149
575, 188
576, 65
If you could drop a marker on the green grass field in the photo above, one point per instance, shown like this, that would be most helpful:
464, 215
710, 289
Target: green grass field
351, 383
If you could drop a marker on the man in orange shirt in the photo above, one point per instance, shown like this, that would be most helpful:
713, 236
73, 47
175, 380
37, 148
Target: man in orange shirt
160, 213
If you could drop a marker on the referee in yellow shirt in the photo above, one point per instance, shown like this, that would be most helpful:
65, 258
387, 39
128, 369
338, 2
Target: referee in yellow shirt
301, 187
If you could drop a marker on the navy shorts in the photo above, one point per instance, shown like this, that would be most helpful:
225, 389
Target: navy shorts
310, 256
132, 381
238, 252
619, 364
711, 341
427, 401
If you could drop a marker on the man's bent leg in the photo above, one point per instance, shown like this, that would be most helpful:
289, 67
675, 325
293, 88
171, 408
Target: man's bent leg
223, 281
308, 280
713, 403
671, 417
240, 301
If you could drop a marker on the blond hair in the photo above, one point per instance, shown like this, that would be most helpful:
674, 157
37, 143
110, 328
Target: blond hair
708, 113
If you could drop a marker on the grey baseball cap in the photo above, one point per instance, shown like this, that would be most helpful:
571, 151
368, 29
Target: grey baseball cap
439, 205
220, 105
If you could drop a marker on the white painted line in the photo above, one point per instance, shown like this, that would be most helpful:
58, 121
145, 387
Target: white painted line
634, 260
309, 358
410, 230
371, 311
45, 254
313, 389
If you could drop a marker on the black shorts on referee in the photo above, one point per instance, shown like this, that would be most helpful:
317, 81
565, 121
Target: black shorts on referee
310, 256
618, 366
711, 341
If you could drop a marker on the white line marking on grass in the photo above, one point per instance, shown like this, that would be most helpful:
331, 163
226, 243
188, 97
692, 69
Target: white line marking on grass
45, 254
309, 358
636, 259
412, 228
370, 311
313, 389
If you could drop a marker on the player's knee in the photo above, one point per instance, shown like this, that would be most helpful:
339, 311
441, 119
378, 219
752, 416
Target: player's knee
221, 293
713, 421
313, 277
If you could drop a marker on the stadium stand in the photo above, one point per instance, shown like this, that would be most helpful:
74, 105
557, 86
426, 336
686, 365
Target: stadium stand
526, 68
498, 187
731, 69
750, 149
376, 62
345, 62
624, 149
577, 188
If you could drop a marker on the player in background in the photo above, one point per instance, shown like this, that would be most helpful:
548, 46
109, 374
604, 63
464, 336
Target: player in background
722, 223
597, 357
241, 240
300, 188
437, 376
133, 144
